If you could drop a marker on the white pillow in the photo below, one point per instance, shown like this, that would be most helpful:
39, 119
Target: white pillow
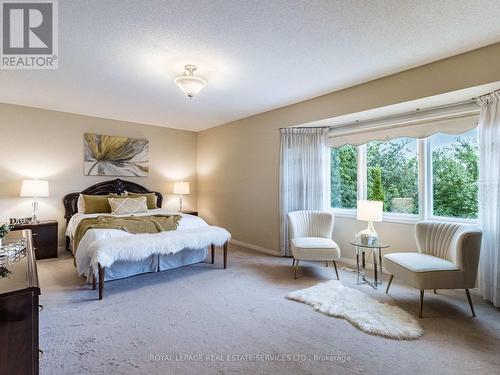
80, 204
124, 206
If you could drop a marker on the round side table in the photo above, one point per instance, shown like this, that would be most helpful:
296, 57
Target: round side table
376, 249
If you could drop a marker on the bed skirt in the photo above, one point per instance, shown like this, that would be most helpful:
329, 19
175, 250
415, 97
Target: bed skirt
155, 263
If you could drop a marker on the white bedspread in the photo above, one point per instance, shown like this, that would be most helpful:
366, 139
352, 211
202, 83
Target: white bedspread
96, 242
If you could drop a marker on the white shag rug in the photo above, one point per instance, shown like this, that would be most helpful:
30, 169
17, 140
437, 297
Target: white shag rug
333, 298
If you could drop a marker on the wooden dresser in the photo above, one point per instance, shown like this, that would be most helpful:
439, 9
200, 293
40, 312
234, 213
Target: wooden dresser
19, 308
44, 238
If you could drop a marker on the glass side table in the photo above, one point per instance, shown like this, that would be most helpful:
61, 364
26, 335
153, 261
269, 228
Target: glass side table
376, 249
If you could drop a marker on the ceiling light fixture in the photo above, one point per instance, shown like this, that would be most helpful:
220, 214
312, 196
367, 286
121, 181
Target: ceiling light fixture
189, 83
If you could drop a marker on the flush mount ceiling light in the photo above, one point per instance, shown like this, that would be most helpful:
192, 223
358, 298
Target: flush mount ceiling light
189, 83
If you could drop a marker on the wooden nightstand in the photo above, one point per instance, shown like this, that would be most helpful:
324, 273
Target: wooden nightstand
44, 238
189, 212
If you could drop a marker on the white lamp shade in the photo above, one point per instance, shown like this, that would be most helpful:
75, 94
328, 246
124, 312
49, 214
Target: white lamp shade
35, 188
181, 187
370, 210
190, 85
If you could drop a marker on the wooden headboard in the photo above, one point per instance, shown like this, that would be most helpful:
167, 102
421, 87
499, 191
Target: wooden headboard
103, 188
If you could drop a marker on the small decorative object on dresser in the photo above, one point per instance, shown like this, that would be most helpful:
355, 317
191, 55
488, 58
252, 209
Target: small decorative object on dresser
44, 237
4, 229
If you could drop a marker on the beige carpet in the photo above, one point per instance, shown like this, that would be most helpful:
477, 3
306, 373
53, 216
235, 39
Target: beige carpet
205, 320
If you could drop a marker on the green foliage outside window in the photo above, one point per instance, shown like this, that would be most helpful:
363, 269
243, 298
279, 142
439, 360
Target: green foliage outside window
455, 179
377, 192
344, 177
393, 174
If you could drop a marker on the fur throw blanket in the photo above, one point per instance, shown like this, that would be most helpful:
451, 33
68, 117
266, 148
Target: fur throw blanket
141, 246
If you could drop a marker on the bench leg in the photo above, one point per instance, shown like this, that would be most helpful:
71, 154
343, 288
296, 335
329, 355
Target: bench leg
212, 249
93, 281
101, 280
421, 303
226, 245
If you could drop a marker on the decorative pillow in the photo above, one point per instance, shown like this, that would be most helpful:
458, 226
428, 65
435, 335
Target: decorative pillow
113, 195
96, 204
151, 198
124, 206
80, 203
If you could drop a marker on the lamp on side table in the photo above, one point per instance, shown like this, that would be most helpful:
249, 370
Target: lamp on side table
35, 189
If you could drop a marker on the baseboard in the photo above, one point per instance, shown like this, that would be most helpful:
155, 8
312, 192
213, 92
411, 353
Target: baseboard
255, 247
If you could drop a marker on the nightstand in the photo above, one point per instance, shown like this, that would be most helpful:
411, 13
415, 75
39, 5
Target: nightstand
44, 238
189, 212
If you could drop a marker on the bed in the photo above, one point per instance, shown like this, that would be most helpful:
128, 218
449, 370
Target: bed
110, 254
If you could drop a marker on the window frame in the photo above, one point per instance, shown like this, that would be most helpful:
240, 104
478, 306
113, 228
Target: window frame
425, 191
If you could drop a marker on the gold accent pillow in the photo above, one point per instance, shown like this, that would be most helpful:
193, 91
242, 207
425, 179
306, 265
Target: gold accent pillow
81, 202
125, 206
96, 204
151, 198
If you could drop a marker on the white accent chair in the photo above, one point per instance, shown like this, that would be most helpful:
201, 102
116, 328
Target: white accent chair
447, 258
311, 238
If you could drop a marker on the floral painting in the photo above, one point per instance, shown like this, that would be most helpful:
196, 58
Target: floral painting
106, 155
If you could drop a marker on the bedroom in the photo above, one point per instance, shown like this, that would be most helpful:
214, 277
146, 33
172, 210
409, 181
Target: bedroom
361, 73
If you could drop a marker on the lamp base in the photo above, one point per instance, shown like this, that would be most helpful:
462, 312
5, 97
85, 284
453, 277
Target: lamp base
368, 236
34, 206
180, 203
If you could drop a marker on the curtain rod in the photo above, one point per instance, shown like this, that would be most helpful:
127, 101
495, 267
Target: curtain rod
306, 127
408, 113
388, 117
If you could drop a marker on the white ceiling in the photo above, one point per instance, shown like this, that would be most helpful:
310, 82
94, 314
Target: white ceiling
118, 58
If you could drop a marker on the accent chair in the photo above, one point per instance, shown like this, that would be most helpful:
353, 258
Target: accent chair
447, 258
310, 234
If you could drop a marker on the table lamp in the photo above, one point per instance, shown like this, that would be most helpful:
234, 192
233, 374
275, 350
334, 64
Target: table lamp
181, 188
369, 211
35, 189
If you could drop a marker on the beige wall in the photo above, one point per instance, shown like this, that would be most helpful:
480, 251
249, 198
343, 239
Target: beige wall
238, 162
49, 145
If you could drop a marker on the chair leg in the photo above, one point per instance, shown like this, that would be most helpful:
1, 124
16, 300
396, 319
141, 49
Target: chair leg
295, 269
389, 284
293, 262
435, 292
470, 302
326, 263
336, 272
421, 303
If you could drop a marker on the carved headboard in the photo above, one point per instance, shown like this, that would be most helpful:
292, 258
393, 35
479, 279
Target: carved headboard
103, 188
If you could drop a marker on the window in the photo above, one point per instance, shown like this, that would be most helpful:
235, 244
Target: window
392, 174
435, 177
344, 176
455, 162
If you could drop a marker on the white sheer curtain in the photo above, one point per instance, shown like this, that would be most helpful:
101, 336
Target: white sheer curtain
489, 196
304, 174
